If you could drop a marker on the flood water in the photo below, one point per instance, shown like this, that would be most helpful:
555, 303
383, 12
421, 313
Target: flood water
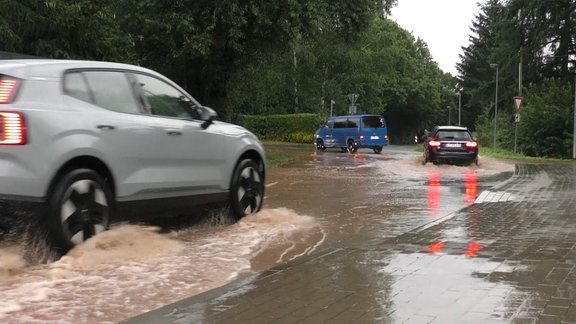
319, 199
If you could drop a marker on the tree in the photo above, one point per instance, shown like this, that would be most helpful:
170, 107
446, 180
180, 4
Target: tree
63, 29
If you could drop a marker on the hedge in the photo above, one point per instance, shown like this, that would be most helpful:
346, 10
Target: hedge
295, 128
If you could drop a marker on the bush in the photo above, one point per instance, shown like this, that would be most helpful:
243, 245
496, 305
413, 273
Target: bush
295, 128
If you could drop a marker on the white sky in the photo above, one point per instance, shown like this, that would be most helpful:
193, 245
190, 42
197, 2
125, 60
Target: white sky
443, 24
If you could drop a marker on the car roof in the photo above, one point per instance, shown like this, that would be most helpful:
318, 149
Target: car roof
356, 116
35, 68
455, 128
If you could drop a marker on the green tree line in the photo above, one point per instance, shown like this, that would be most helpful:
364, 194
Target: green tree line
530, 46
298, 56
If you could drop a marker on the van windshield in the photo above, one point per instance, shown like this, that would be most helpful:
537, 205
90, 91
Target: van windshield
373, 122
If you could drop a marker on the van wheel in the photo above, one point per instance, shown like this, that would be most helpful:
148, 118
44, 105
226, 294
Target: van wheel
377, 149
320, 145
352, 148
80, 207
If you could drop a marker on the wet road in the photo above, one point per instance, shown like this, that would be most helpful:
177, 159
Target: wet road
508, 256
321, 203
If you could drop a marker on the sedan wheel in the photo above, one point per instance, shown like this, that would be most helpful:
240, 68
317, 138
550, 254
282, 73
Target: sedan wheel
80, 207
247, 189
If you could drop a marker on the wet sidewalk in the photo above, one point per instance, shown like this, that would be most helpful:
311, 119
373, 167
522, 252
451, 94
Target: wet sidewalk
509, 258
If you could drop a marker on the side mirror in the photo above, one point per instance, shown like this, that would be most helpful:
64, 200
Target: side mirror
208, 115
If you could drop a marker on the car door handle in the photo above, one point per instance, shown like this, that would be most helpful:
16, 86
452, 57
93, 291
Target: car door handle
106, 127
173, 132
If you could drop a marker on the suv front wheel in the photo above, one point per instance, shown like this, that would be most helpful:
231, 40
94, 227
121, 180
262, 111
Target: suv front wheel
247, 189
79, 208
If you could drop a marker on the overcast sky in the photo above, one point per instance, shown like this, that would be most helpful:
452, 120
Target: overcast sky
443, 24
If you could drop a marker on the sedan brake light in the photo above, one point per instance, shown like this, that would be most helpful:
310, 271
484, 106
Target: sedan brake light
12, 129
471, 144
7, 87
434, 143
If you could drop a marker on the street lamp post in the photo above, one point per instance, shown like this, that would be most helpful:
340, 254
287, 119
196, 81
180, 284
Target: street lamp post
494, 65
459, 105
332, 102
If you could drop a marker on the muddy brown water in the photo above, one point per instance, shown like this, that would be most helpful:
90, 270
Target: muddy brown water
318, 199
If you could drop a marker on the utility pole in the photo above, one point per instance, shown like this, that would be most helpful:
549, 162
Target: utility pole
494, 65
519, 95
574, 130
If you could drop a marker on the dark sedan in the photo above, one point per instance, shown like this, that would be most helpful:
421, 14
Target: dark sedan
452, 145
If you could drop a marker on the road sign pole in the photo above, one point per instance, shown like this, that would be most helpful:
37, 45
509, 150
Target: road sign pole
518, 106
516, 130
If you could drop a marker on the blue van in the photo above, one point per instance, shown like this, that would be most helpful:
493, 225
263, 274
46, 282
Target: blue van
349, 133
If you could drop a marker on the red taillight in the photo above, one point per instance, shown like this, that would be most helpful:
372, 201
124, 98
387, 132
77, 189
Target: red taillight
7, 87
434, 143
471, 144
361, 137
12, 129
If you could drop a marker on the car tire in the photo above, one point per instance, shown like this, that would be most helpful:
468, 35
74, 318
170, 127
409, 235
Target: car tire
320, 145
80, 206
377, 149
351, 147
246, 189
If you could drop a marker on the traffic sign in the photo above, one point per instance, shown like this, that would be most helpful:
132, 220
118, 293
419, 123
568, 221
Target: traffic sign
518, 103
353, 97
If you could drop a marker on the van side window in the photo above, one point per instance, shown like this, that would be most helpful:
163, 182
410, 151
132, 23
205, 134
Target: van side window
352, 123
340, 123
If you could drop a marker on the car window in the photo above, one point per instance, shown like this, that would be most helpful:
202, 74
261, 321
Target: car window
340, 123
165, 100
373, 122
111, 90
75, 86
453, 135
352, 123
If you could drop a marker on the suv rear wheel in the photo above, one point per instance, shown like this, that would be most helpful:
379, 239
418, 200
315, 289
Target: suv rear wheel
79, 208
247, 189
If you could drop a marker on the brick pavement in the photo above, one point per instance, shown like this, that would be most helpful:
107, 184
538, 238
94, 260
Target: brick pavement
508, 258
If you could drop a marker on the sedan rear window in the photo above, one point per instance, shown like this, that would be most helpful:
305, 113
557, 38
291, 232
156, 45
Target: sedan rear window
453, 135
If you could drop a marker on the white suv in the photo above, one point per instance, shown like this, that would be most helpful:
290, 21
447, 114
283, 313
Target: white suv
86, 143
